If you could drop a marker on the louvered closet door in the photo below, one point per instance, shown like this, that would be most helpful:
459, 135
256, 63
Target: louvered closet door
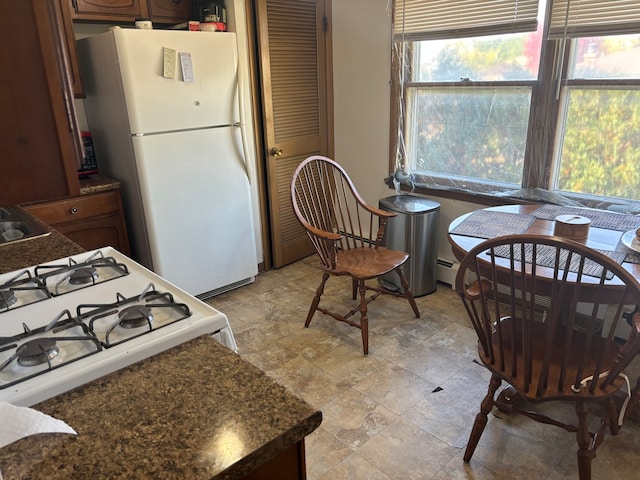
293, 68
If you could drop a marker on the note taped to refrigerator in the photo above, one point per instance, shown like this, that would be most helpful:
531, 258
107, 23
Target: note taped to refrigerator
169, 62
187, 66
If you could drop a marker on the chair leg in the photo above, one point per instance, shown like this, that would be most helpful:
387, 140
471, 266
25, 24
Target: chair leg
364, 321
408, 293
585, 453
316, 299
612, 416
481, 418
354, 288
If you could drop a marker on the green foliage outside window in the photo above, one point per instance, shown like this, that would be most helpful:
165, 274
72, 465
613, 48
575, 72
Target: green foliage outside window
601, 148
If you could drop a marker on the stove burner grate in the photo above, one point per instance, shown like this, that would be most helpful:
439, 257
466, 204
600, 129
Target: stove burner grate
7, 298
146, 312
61, 279
20, 290
33, 352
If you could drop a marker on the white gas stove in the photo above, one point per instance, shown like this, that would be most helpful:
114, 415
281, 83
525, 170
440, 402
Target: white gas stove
71, 321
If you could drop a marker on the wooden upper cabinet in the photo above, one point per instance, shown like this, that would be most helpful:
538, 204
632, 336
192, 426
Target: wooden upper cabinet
116, 10
40, 147
159, 11
169, 11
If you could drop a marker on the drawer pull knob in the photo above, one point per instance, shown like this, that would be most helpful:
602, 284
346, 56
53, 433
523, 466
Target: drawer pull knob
73, 210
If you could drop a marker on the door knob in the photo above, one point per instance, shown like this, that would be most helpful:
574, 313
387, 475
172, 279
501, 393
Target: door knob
276, 152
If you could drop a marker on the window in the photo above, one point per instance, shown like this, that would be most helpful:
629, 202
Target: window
548, 99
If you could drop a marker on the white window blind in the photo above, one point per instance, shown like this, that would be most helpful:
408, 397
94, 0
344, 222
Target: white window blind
416, 20
590, 18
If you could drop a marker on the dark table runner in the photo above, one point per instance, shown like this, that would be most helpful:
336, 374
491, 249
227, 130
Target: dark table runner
599, 218
490, 224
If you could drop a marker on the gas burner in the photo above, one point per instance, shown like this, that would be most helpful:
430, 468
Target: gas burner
21, 289
83, 275
7, 298
132, 317
31, 353
36, 352
61, 279
135, 316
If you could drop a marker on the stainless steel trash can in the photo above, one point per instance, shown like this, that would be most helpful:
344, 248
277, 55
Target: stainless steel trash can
413, 230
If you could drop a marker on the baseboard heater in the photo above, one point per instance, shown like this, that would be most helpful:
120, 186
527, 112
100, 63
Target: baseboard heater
446, 271
226, 288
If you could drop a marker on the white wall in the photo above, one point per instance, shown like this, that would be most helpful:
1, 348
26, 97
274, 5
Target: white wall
361, 76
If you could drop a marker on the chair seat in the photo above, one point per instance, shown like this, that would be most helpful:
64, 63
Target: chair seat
365, 263
556, 348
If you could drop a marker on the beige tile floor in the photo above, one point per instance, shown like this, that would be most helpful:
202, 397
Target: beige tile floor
405, 411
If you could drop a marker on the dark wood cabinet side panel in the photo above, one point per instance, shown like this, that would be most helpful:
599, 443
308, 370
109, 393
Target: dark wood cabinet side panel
33, 154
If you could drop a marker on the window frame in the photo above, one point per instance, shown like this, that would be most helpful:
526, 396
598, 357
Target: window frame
540, 153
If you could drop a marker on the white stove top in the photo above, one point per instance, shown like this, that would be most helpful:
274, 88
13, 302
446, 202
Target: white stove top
65, 308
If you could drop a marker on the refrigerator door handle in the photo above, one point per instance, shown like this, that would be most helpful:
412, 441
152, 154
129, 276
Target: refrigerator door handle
242, 125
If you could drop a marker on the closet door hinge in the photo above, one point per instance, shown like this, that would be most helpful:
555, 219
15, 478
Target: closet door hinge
325, 24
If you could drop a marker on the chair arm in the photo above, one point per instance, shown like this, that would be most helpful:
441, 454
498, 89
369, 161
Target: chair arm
322, 234
377, 211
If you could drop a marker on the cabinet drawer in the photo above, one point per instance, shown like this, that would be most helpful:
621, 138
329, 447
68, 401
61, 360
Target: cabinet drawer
76, 208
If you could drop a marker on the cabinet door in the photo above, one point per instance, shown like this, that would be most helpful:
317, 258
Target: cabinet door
169, 11
39, 140
114, 10
97, 233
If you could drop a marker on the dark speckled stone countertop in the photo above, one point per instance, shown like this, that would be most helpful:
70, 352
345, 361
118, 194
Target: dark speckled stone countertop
196, 411
33, 251
97, 184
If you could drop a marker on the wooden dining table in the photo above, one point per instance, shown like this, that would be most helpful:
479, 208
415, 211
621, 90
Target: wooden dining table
604, 233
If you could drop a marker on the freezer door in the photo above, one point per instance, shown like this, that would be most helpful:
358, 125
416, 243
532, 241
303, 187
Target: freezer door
197, 207
156, 103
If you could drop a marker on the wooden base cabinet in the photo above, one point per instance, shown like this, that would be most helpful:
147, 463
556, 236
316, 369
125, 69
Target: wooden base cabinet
288, 465
92, 221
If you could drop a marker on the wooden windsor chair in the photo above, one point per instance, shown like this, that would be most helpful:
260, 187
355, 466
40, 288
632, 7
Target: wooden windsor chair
546, 312
346, 233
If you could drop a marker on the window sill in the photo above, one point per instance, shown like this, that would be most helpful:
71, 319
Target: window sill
530, 196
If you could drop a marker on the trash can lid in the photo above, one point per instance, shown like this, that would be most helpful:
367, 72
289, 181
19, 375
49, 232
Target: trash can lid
408, 204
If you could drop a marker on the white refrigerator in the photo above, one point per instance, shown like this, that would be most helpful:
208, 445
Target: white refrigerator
163, 110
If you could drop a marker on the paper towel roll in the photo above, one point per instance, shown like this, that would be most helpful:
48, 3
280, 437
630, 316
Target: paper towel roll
20, 422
